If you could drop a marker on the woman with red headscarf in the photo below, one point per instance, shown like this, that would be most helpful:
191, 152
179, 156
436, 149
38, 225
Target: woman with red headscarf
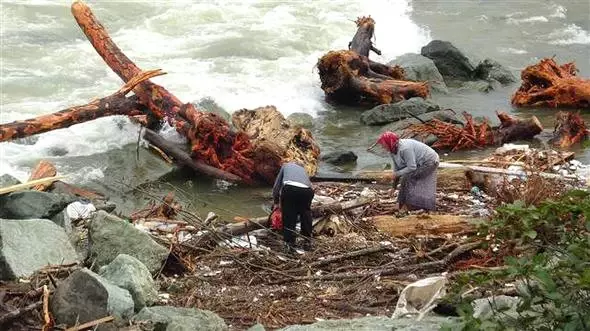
414, 164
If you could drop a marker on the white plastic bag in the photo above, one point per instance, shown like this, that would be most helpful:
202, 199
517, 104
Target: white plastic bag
420, 297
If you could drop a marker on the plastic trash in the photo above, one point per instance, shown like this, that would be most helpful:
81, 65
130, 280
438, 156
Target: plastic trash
78, 210
420, 297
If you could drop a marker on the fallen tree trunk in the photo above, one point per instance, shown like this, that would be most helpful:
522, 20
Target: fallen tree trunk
348, 76
43, 169
422, 225
546, 84
114, 104
236, 229
475, 135
212, 140
183, 158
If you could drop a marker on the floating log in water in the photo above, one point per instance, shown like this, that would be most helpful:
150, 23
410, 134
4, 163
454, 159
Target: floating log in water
547, 84
348, 76
476, 135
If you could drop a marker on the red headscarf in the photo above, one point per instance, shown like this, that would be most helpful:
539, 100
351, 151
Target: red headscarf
388, 140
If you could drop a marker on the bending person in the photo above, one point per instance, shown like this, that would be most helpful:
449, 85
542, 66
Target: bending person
415, 165
293, 189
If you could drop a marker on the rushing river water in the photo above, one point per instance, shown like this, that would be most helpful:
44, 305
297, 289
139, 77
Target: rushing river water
246, 54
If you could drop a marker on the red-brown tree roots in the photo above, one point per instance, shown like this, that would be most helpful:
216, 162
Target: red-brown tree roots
475, 135
349, 76
546, 84
570, 129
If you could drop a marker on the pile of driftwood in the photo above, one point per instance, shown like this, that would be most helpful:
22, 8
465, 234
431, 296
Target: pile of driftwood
254, 152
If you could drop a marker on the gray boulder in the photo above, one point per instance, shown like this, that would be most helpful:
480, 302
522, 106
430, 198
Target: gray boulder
29, 245
486, 308
398, 111
129, 273
339, 158
378, 323
257, 327
450, 61
180, 319
33, 204
85, 296
301, 119
109, 236
208, 104
8, 180
489, 69
420, 68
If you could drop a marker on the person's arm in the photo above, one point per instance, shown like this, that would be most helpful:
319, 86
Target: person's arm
409, 158
276, 190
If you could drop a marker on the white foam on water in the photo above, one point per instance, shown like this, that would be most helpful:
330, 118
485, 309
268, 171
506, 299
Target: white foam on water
571, 34
559, 11
532, 19
243, 54
511, 50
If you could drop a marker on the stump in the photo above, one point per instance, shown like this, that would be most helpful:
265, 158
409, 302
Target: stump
348, 76
570, 129
546, 84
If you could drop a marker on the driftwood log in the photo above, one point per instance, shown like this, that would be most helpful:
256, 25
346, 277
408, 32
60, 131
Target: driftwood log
348, 76
213, 142
547, 84
570, 129
422, 225
475, 135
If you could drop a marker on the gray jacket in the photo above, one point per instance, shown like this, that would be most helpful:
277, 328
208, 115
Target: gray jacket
289, 172
412, 154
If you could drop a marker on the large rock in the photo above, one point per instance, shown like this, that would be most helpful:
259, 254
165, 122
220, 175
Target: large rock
483, 86
7, 180
419, 68
129, 273
180, 319
85, 296
398, 111
380, 323
109, 236
33, 204
491, 70
339, 158
450, 61
301, 119
29, 245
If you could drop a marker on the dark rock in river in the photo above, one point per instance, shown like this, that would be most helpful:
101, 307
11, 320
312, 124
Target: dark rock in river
420, 68
29, 245
109, 236
301, 119
398, 111
33, 204
180, 319
339, 158
85, 296
483, 86
451, 62
7, 180
489, 69
129, 273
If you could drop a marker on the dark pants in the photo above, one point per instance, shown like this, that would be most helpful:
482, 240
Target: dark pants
296, 202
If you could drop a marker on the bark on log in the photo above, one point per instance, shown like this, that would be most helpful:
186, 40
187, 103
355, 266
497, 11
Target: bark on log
348, 76
236, 229
546, 84
276, 141
422, 225
183, 158
570, 129
114, 104
43, 169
